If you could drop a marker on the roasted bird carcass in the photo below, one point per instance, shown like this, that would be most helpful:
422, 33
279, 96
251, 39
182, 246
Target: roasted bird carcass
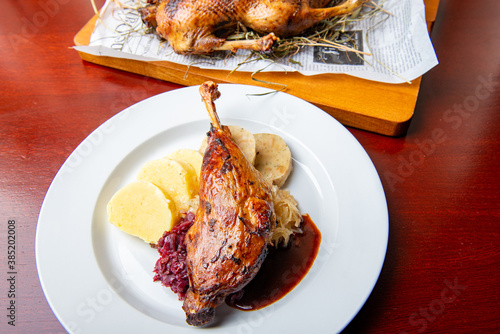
227, 243
191, 26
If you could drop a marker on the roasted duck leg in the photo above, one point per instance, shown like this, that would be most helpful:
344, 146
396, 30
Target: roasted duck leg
197, 27
228, 240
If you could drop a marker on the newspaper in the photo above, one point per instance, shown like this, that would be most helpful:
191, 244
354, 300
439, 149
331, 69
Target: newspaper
395, 43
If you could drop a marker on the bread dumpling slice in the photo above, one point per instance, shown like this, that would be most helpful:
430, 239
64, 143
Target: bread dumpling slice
192, 157
141, 209
177, 179
243, 138
273, 159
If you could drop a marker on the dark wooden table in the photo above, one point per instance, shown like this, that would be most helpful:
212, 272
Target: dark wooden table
441, 274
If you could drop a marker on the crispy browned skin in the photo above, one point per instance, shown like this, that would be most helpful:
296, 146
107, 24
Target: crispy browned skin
190, 26
228, 241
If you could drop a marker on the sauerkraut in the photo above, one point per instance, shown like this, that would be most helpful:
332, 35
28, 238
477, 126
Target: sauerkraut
288, 216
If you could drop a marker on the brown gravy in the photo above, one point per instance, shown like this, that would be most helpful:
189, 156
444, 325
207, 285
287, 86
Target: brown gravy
282, 270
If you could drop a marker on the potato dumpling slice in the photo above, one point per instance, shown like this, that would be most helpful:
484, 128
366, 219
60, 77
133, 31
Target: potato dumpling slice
177, 179
192, 157
273, 159
243, 138
141, 209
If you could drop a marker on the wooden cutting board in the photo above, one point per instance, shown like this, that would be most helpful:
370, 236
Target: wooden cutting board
373, 106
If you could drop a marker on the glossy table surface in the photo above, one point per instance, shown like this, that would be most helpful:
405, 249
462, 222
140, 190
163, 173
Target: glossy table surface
441, 273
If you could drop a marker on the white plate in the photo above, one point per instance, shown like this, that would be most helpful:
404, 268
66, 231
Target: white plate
99, 280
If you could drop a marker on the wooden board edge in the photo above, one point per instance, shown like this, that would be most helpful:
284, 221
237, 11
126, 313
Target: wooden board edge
82, 37
178, 76
371, 124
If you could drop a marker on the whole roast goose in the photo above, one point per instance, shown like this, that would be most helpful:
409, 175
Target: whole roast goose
199, 26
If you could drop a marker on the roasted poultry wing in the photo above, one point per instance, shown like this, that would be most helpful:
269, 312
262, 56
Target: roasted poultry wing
228, 240
192, 27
